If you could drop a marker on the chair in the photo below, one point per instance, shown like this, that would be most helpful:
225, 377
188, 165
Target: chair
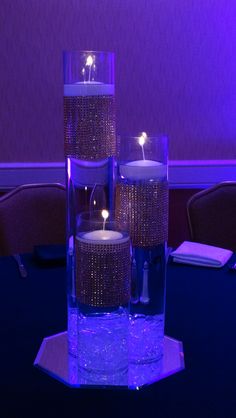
212, 216
32, 214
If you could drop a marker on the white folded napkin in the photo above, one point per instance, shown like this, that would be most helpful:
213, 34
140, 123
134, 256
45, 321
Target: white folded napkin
201, 254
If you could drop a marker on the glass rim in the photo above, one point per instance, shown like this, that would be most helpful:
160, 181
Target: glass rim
87, 51
149, 137
95, 219
97, 212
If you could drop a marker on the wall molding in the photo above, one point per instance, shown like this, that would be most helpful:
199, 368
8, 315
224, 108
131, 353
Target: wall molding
182, 173
15, 174
200, 173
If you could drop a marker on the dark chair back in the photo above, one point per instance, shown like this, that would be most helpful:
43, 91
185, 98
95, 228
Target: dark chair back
212, 216
33, 214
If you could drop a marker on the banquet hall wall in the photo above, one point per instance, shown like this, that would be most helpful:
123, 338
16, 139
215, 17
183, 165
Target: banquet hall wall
175, 72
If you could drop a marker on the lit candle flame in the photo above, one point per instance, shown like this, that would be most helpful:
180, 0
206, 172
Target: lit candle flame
141, 140
89, 61
105, 215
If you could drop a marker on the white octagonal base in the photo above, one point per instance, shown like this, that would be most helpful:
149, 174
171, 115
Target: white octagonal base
53, 358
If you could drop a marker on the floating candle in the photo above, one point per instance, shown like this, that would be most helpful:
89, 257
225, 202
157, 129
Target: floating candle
143, 170
103, 236
89, 88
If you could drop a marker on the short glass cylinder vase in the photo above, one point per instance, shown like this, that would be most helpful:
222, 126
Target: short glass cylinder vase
99, 299
142, 203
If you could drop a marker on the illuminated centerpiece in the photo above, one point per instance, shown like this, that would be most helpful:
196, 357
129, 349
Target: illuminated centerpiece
117, 217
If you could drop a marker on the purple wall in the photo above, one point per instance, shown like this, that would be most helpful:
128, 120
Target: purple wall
175, 71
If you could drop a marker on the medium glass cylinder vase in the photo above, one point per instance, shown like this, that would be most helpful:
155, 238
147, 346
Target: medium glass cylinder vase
142, 203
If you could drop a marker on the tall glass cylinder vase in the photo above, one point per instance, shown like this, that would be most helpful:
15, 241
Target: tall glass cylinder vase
142, 202
90, 147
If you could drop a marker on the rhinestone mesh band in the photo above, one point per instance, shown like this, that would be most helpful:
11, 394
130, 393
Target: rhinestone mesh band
144, 206
89, 127
103, 273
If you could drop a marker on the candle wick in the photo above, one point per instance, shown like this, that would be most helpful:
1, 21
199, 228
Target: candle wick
89, 79
143, 152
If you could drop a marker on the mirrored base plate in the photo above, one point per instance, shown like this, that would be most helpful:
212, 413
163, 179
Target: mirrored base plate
53, 359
